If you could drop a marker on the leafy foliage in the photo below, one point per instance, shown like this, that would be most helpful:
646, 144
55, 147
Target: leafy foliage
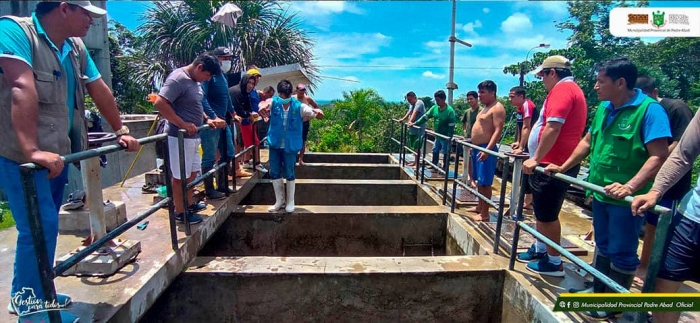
174, 33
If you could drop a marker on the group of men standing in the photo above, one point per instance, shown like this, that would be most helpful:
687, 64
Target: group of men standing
629, 138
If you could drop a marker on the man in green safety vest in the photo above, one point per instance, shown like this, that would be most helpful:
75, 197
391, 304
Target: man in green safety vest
627, 143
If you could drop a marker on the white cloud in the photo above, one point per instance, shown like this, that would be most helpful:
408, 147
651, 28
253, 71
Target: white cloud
322, 8
486, 10
553, 9
516, 23
469, 27
335, 48
430, 74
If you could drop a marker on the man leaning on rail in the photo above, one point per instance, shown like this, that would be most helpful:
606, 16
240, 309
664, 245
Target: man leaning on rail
627, 143
45, 71
681, 259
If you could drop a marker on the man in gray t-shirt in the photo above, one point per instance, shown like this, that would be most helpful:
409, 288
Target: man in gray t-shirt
416, 109
180, 102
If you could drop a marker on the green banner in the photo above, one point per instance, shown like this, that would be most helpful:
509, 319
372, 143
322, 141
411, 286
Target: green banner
651, 302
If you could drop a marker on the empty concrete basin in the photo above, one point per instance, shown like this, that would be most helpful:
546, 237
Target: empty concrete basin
332, 231
345, 192
340, 158
280, 289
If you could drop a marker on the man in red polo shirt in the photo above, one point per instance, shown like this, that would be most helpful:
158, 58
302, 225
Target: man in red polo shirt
553, 139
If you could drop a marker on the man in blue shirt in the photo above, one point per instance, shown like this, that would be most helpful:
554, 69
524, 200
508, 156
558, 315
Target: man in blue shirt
217, 104
26, 94
628, 143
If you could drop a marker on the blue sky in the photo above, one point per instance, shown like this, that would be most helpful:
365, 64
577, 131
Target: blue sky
400, 46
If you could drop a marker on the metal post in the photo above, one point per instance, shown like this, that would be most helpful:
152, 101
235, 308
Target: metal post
657, 251
169, 189
31, 201
451, 86
256, 152
454, 181
515, 184
391, 137
446, 167
183, 179
223, 158
516, 233
501, 204
91, 173
425, 147
466, 171
402, 148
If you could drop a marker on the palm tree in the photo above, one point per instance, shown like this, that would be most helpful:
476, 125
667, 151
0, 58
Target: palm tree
363, 110
174, 33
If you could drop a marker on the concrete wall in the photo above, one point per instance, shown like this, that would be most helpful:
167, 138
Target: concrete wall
390, 297
374, 234
342, 192
365, 171
348, 158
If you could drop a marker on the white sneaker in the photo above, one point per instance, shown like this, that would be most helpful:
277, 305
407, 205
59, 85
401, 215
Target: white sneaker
260, 168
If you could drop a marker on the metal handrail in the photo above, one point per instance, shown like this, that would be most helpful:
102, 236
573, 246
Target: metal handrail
504, 182
595, 188
658, 243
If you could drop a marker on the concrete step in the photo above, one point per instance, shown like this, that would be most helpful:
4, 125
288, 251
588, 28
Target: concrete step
344, 209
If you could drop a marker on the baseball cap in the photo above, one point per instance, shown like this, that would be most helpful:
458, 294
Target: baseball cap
301, 86
95, 11
556, 61
254, 72
222, 51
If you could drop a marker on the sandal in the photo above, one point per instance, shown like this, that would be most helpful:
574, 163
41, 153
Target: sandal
149, 189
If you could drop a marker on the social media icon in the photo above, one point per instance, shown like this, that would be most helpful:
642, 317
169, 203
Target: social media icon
562, 304
576, 304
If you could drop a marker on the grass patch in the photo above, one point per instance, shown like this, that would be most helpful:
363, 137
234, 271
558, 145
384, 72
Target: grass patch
7, 220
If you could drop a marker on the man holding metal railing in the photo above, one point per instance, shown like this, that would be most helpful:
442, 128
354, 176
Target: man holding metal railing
180, 102
627, 142
553, 138
681, 259
468, 120
679, 116
486, 133
445, 120
46, 70
416, 109
216, 103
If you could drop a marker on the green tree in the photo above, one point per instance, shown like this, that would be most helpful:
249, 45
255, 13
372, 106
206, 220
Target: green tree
130, 95
174, 33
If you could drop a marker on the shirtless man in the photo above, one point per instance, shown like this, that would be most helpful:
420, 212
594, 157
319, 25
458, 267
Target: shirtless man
486, 132
304, 98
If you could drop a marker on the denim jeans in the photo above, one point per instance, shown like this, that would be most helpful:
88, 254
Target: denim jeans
49, 195
282, 162
440, 144
211, 142
617, 234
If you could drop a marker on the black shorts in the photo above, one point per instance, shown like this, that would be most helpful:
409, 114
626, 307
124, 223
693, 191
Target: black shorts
548, 194
680, 261
526, 184
305, 130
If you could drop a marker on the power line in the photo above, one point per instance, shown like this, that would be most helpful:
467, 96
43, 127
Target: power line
410, 67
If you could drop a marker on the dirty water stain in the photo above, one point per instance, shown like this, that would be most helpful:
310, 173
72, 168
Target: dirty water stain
357, 268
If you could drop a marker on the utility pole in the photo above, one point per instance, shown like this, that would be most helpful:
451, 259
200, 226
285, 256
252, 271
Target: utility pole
451, 85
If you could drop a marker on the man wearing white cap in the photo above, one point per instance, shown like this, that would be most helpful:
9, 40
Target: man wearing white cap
46, 71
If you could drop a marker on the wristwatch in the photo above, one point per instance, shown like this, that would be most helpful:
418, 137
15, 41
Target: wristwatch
124, 130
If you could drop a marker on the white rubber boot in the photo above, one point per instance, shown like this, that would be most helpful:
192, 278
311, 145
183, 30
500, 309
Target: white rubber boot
278, 185
290, 196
